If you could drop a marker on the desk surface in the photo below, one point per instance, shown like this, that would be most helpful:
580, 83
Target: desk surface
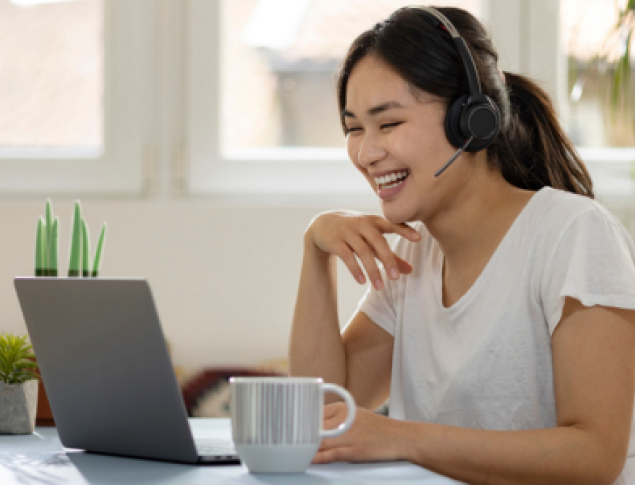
41, 459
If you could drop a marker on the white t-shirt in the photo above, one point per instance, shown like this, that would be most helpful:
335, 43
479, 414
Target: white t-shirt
485, 362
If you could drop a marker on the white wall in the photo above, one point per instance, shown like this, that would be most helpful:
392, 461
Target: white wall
224, 278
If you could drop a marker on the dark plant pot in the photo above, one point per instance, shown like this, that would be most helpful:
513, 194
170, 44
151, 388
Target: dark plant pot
44, 414
18, 406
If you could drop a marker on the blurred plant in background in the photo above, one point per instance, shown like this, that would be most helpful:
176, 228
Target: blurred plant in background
611, 69
17, 361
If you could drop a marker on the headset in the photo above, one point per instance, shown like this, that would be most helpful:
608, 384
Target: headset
472, 121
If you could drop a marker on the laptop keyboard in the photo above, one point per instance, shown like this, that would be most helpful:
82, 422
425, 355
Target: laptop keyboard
214, 448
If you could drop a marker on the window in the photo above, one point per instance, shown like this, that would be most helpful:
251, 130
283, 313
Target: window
587, 27
604, 134
278, 59
51, 75
76, 95
268, 75
240, 93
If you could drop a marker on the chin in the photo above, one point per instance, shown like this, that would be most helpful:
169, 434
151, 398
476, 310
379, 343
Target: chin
396, 215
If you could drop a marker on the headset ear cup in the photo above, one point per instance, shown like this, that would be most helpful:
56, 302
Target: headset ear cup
480, 120
453, 122
458, 111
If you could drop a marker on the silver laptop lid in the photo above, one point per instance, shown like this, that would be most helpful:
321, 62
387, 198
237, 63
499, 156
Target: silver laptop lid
105, 365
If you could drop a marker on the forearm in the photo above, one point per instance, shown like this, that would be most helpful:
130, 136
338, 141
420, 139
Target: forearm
559, 456
316, 347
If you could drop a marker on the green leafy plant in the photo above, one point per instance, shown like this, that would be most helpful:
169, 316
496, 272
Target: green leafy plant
17, 360
46, 246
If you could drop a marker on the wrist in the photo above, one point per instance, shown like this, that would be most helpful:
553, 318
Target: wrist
311, 248
407, 437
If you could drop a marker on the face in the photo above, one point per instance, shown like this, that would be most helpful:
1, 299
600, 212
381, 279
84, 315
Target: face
396, 139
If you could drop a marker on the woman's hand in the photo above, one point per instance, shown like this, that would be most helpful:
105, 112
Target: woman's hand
348, 234
371, 438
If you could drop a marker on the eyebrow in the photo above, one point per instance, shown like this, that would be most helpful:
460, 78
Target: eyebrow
380, 108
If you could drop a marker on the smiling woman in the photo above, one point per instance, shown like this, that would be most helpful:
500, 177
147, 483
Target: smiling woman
506, 305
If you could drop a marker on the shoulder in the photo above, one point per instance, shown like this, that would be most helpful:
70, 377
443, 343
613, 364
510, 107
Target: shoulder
559, 212
558, 203
575, 227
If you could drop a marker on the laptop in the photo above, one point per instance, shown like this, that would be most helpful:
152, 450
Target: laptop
108, 375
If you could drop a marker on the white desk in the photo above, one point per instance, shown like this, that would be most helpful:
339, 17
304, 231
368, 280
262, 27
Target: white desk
41, 459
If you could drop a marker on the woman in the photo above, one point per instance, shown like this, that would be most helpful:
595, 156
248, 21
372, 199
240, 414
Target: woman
502, 324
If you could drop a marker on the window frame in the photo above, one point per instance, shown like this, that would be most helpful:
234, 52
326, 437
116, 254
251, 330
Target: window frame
254, 176
129, 65
162, 116
319, 176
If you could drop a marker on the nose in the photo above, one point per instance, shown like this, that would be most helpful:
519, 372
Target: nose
370, 151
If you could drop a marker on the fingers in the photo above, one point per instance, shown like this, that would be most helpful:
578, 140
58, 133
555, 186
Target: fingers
334, 415
332, 455
404, 266
347, 255
393, 264
359, 239
332, 410
381, 250
401, 229
366, 249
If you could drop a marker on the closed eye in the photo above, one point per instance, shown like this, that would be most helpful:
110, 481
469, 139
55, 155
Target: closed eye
391, 125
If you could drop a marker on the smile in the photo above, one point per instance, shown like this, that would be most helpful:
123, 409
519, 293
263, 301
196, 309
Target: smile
392, 179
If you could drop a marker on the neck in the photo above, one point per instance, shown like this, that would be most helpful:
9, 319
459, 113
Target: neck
476, 217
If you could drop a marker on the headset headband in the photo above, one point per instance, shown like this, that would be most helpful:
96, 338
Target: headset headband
468, 62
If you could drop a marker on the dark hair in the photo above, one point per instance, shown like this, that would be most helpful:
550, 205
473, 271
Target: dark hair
531, 150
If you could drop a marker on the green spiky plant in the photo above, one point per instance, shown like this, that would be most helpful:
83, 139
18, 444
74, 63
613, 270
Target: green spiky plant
17, 361
46, 246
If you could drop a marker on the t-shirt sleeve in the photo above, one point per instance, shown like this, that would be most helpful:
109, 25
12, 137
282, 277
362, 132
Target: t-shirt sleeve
593, 262
379, 305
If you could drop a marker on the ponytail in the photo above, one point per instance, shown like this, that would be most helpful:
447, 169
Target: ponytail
532, 150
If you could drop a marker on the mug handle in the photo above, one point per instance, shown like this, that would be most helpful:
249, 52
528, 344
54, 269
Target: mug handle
350, 417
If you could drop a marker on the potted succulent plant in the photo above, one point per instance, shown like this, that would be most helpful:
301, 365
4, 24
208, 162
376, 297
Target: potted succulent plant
79, 265
18, 385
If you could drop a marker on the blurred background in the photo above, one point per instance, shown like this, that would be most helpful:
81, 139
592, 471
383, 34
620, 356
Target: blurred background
205, 132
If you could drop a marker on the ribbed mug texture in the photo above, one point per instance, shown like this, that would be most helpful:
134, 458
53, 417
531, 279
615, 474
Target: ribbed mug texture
276, 413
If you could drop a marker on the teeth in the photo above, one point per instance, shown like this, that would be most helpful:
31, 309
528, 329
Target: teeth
391, 178
390, 186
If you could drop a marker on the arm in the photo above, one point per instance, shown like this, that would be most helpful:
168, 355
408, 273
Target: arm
315, 347
594, 373
360, 360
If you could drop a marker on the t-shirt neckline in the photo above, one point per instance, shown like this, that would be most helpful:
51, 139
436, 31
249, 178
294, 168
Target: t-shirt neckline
480, 281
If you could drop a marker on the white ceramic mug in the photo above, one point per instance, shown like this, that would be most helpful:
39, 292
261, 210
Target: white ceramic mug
277, 421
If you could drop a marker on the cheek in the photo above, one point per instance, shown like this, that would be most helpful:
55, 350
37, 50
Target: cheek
352, 148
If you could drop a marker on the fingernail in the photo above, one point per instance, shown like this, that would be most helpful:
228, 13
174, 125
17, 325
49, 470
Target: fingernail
393, 273
360, 279
379, 284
